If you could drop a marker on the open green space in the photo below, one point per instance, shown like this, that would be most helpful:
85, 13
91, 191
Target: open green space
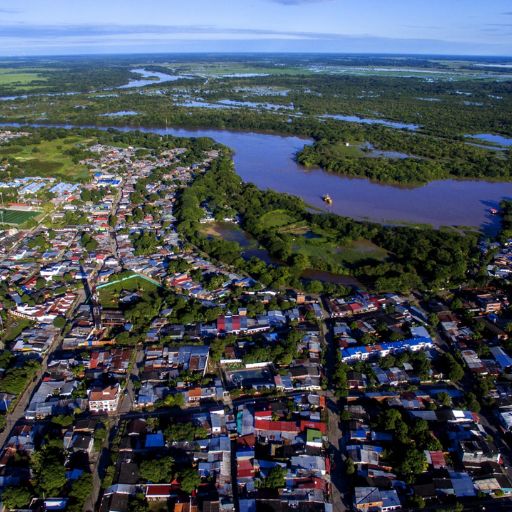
237, 68
16, 216
319, 244
111, 292
14, 327
48, 158
11, 77
340, 149
276, 219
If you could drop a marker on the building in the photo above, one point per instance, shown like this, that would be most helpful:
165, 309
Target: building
104, 400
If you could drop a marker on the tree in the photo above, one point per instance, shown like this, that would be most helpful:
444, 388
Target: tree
138, 503
471, 401
433, 320
413, 463
214, 281
63, 420
189, 480
345, 416
48, 466
80, 491
444, 399
389, 419
185, 432
458, 507
16, 497
417, 502
275, 478
350, 467
59, 322
176, 400
157, 471
457, 304
367, 338
451, 368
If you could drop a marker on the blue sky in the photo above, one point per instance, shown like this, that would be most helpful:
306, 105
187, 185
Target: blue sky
56, 27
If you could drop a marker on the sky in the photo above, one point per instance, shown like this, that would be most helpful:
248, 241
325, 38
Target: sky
68, 27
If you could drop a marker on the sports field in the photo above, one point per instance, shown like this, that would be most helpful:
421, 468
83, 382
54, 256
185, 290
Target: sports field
16, 216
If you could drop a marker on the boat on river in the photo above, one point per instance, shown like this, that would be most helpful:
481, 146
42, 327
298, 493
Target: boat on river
327, 199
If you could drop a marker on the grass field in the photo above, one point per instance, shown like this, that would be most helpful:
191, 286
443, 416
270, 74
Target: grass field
16, 216
109, 295
341, 150
318, 245
10, 77
360, 250
48, 158
276, 219
236, 68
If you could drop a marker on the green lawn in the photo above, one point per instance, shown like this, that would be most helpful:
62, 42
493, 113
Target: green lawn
16, 216
109, 295
276, 219
48, 158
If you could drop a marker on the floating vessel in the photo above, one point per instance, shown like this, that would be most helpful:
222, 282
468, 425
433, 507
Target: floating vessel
493, 211
327, 199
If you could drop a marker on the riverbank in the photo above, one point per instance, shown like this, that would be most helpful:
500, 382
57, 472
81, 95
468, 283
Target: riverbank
268, 161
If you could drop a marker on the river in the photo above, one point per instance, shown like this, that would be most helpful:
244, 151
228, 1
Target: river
150, 78
268, 161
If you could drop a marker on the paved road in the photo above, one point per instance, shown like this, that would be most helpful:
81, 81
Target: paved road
340, 491
339, 486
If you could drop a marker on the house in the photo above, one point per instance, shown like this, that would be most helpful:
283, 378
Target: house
82, 442
502, 358
227, 324
159, 492
367, 499
371, 499
362, 353
104, 400
476, 451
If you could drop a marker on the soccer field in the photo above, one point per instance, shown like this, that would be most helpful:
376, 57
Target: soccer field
16, 216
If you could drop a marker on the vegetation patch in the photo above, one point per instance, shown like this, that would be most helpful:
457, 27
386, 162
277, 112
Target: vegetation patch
319, 245
56, 158
14, 327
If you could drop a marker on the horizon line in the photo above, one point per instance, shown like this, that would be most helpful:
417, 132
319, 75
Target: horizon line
259, 52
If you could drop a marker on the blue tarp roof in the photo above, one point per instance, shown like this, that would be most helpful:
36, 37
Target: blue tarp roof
155, 440
502, 358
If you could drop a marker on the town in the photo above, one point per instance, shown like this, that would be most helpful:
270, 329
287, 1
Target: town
140, 373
